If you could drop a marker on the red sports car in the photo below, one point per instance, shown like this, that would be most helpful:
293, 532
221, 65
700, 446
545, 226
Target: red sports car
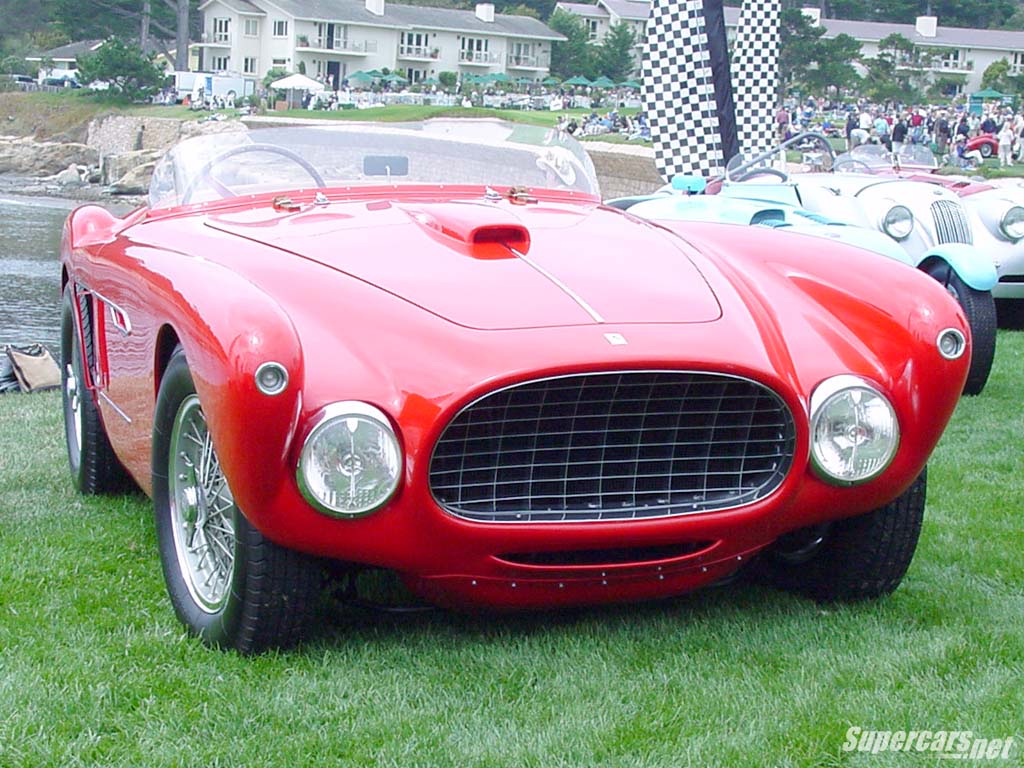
985, 143
430, 348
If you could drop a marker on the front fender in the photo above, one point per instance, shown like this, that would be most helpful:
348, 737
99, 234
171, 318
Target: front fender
978, 272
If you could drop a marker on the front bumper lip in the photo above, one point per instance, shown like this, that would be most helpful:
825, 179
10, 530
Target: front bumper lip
538, 588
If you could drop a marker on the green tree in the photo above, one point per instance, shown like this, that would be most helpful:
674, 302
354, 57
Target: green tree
448, 80
798, 48
161, 21
274, 74
946, 86
834, 70
575, 56
521, 10
615, 55
997, 76
131, 73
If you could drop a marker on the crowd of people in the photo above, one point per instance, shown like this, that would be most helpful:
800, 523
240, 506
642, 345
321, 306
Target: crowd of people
947, 130
633, 127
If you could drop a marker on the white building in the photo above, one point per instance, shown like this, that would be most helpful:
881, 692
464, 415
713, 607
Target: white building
954, 50
332, 39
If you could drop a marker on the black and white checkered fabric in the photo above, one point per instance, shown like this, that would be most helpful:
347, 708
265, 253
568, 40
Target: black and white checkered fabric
678, 92
755, 73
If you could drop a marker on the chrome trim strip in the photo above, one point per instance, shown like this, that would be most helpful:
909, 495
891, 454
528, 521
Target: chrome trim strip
118, 317
113, 405
561, 286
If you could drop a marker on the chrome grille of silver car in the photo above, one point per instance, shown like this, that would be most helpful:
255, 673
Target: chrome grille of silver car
951, 225
613, 446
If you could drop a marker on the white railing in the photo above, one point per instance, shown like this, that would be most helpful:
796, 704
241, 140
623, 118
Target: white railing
477, 57
418, 52
337, 44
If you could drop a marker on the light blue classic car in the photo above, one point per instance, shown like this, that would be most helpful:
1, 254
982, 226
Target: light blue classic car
755, 193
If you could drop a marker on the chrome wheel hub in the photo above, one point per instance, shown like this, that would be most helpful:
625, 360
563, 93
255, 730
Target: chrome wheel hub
74, 404
202, 509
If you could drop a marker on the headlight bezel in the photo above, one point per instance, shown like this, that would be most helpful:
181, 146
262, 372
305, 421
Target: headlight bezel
829, 392
329, 416
897, 222
1006, 229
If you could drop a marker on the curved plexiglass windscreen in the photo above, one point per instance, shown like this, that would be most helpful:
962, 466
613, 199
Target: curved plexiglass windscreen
873, 157
806, 152
482, 152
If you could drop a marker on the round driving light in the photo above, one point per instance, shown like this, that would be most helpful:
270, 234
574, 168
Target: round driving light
1012, 223
951, 344
350, 464
854, 431
271, 378
898, 223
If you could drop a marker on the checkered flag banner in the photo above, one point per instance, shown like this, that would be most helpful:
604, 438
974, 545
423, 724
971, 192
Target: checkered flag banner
755, 73
679, 92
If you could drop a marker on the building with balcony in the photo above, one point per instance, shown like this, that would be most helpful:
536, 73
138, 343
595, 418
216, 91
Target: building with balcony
951, 50
332, 39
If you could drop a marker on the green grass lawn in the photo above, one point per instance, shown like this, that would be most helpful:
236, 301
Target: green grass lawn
96, 671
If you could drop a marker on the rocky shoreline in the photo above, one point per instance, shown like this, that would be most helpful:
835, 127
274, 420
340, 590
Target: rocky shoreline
113, 165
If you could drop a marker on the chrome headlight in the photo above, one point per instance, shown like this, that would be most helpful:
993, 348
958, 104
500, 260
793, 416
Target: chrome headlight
854, 432
351, 462
1012, 223
898, 222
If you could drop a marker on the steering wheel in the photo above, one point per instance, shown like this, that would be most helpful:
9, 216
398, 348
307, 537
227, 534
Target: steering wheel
849, 164
206, 172
755, 172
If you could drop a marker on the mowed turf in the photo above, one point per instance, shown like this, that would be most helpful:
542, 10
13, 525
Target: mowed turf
96, 671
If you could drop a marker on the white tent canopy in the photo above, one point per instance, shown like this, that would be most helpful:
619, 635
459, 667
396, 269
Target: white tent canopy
297, 82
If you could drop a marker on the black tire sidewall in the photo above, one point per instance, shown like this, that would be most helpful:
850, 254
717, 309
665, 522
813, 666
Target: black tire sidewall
94, 465
70, 354
980, 310
218, 628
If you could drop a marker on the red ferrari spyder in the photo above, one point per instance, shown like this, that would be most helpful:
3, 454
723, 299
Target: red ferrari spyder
430, 348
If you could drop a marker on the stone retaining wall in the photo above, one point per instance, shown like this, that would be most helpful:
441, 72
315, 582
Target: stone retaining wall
623, 170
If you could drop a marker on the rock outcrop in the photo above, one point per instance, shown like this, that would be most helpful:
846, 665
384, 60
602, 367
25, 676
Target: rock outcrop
26, 156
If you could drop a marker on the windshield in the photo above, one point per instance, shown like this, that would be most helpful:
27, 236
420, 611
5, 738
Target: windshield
871, 157
482, 152
808, 152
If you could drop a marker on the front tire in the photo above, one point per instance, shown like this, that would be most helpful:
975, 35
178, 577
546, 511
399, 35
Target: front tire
94, 467
857, 558
229, 585
980, 309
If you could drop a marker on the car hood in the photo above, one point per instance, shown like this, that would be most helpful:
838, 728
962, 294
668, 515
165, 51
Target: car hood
496, 265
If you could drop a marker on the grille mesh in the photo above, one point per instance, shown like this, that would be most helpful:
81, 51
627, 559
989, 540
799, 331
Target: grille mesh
951, 224
613, 446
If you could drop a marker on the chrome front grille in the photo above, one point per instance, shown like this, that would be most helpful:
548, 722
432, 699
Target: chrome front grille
613, 446
951, 224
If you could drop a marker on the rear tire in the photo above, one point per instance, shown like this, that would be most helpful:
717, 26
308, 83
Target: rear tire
980, 309
229, 585
858, 558
94, 467
986, 150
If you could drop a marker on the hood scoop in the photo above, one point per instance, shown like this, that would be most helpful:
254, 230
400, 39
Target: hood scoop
480, 231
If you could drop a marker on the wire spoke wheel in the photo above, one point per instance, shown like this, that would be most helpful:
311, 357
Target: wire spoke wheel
203, 510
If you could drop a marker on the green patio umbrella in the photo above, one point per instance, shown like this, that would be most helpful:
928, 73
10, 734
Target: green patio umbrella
550, 80
524, 81
629, 84
499, 77
603, 82
577, 80
430, 81
394, 78
360, 75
